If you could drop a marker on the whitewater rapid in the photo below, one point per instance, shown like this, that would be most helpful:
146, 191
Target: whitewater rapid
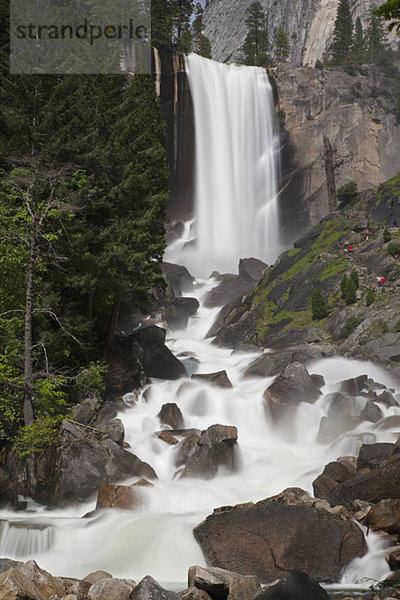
157, 538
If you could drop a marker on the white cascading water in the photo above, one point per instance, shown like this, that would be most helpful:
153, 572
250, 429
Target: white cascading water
237, 147
157, 537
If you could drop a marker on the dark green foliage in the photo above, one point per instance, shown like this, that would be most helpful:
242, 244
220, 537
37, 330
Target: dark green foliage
390, 11
376, 42
281, 115
343, 34
319, 307
256, 45
343, 285
369, 297
201, 44
348, 287
359, 46
397, 327
354, 278
281, 44
347, 193
394, 249
386, 236
349, 326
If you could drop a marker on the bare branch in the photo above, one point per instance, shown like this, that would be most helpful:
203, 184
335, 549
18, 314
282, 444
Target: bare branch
57, 320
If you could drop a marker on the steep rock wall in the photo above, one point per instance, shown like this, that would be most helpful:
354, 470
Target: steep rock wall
355, 112
309, 24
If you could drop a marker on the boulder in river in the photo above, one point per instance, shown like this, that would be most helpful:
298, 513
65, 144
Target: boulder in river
149, 589
385, 516
270, 539
123, 497
251, 268
296, 585
178, 278
157, 360
220, 378
219, 583
170, 414
214, 450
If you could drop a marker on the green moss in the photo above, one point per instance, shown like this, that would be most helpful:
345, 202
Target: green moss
293, 252
337, 266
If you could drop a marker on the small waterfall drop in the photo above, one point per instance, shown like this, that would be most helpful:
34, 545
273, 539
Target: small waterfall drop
236, 203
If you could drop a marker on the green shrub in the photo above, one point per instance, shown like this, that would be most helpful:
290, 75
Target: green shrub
91, 381
347, 193
386, 236
348, 287
35, 438
319, 307
394, 249
281, 116
343, 285
354, 278
397, 327
350, 325
369, 297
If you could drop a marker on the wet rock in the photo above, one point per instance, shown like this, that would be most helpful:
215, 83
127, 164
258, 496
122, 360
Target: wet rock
293, 386
393, 560
8, 563
372, 456
178, 310
167, 437
371, 412
273, 363
340, 418
215, 449
229, 289
111, 589
373, 486
220, 584
220, 378
270, 539
149, 589
170, 414
296, 585
157, 360
387, 399
122, 497
193, 593
353, 386
186, 448
114, 429
84, 464
333, 474
178, 278
251, 269
385, 516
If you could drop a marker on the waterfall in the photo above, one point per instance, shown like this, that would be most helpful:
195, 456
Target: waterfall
236, 204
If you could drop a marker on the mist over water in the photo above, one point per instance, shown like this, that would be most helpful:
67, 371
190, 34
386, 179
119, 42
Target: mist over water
236, 211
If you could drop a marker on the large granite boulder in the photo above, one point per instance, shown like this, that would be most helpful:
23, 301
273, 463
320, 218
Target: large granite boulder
111, 589
219, 378
149, 589
122, 497
270, 539
157, 360
385, 516
170, 414
178, 278
214, 450
251, 269
178, 310
230, 287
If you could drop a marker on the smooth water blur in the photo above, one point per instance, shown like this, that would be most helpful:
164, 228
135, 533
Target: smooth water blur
237, 150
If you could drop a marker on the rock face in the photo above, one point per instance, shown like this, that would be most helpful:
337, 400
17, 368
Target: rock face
156, 358
309, 24
359, 122
294, 586
270, 539
214, 449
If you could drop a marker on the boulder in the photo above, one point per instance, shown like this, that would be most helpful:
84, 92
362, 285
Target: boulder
149, 589
371, 412
387, 399
214, 450
114, 429
111, 589
95, 576
178, 278
219, 583
353, 386
125, 370
8, 563
178, 310
75, 587
385, 516
333, 474
123, 497
393, 559
83, 464
340, 418
273, 363
157, 360
270, 539
85, 412
219, 378
294, 385
373, 486
296, 585
372, 456
186, 448
251, 269
170, 414
167, 437
193, 593
229, 288
14, 585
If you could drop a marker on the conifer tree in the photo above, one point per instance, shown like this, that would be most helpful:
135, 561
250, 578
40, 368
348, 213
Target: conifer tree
201, 44
255, 49
319, 307
342, 34
376, 41
390, 11
359, 50
281, 44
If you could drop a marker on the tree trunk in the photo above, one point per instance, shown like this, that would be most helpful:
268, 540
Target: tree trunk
113, 321
330, 168
28, 371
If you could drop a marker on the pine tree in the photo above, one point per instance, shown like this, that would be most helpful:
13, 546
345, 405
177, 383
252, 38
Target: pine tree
182, 11
201, 44
359, 49
390, 11
319, 307
376, 41
281, 44
255, 49
342, 34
